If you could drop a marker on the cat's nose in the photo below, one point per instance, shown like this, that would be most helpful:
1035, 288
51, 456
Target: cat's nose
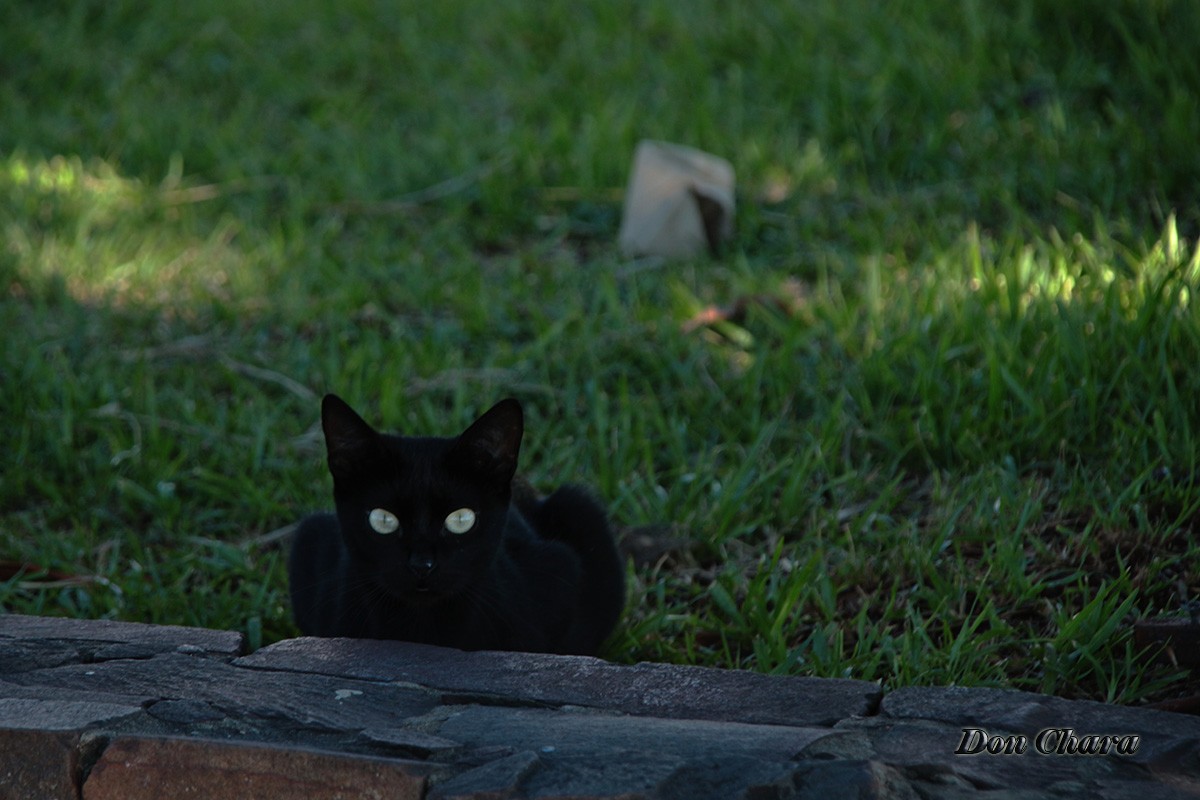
421, 566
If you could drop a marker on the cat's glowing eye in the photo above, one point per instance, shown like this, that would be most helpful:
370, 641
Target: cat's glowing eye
460, 521
383, 521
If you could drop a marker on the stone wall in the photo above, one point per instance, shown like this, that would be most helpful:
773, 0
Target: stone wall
99, 709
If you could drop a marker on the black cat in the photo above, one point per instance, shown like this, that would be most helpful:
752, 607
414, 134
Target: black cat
433, 543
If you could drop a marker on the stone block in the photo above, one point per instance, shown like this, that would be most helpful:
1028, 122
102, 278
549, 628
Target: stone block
590, 754
40, 751
860, 779
57, 715
923, 751
495, 779
410, 742
1016, 710
94, 694
98, 709
658, 690
561, 734
153, 768
39, 764
311, 701
735, 776
184, 712
17, 655
136, 636
1169, 743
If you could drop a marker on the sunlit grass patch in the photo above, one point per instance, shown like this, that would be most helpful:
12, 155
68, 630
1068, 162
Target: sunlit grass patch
112, 239
1016, 377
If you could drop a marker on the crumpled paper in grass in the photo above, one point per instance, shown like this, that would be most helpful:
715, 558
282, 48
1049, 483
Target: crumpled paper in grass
679, 202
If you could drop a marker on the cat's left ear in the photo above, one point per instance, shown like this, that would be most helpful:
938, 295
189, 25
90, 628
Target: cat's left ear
349, 441
493, 442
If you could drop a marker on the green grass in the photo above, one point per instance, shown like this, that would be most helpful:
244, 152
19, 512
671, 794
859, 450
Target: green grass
953, 438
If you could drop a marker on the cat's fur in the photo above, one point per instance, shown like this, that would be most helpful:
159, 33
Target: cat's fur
539, 575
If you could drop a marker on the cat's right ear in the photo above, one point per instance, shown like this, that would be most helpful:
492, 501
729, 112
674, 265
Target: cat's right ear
349, 441
492, 443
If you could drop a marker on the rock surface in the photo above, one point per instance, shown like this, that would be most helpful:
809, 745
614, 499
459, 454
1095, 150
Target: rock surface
105, 710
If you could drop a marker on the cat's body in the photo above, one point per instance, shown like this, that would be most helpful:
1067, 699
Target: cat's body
429, 544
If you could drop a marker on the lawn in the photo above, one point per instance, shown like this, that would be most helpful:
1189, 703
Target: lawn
945, 428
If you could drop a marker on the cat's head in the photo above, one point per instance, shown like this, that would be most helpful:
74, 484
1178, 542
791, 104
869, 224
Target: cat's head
423, 516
